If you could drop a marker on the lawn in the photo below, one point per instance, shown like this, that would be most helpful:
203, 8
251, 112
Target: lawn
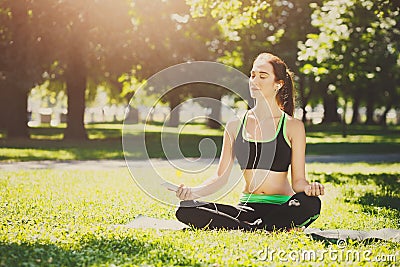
64, 218
105, 142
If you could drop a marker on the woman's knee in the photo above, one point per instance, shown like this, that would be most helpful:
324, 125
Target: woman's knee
183, 214
188, 211
311, 202
315, 204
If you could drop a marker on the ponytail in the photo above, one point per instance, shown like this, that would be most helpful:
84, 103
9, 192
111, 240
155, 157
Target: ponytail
284, 96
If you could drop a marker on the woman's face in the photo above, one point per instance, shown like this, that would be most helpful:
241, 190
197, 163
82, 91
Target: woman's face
262, 80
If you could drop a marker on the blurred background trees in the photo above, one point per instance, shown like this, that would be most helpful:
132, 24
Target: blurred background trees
345, 54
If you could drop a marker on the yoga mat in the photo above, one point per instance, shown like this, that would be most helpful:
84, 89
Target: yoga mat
144, 222
388, 234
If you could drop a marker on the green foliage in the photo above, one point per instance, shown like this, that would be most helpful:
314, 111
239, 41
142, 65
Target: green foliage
231, 15
356, 51
67, 218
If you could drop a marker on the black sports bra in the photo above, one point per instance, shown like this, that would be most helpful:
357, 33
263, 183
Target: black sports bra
274, 154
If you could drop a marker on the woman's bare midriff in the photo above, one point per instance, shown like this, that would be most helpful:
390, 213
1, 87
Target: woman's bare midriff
265, 182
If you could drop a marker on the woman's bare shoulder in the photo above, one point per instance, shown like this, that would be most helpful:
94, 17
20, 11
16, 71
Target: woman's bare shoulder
294, 126
294, 122
232, 124
234, 120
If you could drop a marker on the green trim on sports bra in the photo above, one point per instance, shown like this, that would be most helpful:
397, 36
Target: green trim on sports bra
244, 120
261, 141
278, 151
259, 198
284, 133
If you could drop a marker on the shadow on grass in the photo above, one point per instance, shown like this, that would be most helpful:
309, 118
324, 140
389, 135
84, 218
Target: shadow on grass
111, 148
323, 130
174, 146
387, 182
56, 133
93, 252
370, 200
352, 148
386, 196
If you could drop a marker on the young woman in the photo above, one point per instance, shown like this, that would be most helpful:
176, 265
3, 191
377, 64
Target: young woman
265, 142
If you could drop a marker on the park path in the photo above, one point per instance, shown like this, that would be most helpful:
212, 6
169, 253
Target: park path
112, 164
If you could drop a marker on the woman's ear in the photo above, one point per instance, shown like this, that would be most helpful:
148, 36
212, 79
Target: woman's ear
279, 84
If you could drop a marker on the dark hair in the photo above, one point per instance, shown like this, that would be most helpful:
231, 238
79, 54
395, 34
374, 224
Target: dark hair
285, 95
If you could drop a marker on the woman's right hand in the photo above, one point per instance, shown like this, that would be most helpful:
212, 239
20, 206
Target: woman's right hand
184, 193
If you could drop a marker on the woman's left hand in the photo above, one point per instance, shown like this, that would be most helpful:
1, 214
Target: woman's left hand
314, 189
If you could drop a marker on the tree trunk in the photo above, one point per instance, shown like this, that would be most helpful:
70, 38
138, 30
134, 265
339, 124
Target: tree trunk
16, 84
370, 110
356, 114
305, 82
344, 125
76, 87
382, 119
330, 109
14, 113
174, 106
17, 117
76, 81
303, 99
304, 116
132, 116
214, 121
3, 108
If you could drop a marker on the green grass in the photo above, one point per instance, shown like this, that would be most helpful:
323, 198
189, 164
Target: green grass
105, 142
63, 218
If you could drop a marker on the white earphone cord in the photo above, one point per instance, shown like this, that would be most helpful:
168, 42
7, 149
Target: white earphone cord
254, 164
251, 193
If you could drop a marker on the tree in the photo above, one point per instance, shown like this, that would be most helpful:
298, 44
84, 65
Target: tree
182, 39
80, 44
253, 27
22, 62
355, 44
296, 25
100, 48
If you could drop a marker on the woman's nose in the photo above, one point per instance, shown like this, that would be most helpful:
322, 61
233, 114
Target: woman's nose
253, 81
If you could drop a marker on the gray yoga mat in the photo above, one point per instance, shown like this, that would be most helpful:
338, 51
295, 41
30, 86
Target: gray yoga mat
145, 222
387, 234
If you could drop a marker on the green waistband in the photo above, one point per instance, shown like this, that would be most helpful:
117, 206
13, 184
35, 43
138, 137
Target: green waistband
256, 198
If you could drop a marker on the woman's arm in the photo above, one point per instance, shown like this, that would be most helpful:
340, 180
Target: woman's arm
225, 164
297, 137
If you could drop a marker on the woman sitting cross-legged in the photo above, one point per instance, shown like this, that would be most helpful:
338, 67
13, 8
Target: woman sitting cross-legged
266, 141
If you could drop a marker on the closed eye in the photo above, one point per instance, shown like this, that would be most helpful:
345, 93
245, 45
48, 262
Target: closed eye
261, 74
